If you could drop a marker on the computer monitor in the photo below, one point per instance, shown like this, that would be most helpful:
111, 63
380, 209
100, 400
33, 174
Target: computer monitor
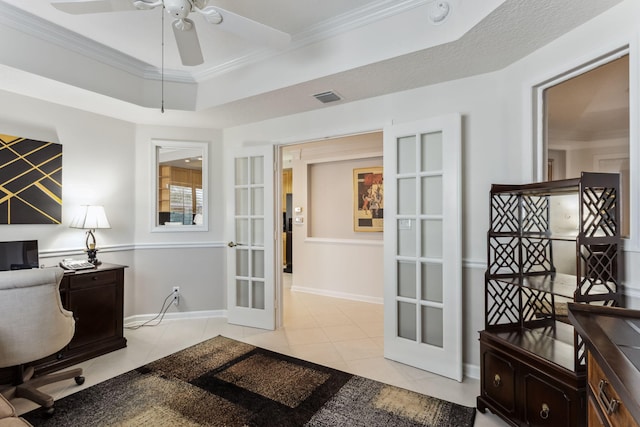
19, 255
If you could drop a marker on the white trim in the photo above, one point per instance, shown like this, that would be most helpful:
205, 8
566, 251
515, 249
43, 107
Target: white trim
35, 26
532, 130
533, 110
597, 158
333, 241
42, 29
179, 144
610, 143
138, 319
471, 371
337, 294
474, 264
340, 133
633, 292
180, 245
52, 253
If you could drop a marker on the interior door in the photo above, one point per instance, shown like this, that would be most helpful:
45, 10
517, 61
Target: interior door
422, 240
251, 227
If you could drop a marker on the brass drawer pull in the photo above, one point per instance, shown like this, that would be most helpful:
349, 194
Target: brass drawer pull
610, 405
544, 412
497, 380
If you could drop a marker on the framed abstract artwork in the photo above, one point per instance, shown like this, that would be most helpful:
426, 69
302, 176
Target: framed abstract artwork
368, 198
30, 181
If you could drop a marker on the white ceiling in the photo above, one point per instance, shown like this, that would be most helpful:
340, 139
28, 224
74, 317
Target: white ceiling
112, 63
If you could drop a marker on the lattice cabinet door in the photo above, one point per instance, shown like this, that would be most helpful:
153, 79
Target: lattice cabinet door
599, 240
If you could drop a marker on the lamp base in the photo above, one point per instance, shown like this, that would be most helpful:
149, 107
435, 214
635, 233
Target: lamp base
93, 258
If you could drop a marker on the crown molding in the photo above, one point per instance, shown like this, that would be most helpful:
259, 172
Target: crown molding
349, 21
42, 29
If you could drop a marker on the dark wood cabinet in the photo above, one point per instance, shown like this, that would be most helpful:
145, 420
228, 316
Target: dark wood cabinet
532, 362
612, 337
96, 299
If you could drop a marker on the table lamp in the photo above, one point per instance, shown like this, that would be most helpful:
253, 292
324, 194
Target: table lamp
91, 218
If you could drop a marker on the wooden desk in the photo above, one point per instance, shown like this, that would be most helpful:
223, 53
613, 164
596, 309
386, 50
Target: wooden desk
96, 298
612, 338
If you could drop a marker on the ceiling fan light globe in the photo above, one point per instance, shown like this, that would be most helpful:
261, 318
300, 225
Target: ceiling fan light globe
211, 15
183, 24
179, 9
146, 5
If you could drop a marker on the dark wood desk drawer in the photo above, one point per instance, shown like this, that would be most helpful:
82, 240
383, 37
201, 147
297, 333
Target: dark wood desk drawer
595, 420
499, 380
546, 404
97, 278
606, 398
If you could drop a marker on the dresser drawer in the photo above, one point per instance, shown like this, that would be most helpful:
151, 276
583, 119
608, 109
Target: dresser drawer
595, 420
93, 279
499, 380
546, 404
606, 398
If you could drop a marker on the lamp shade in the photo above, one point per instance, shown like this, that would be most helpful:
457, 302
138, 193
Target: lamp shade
90, 217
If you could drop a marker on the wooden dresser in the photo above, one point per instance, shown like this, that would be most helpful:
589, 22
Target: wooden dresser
96, 299
612, 338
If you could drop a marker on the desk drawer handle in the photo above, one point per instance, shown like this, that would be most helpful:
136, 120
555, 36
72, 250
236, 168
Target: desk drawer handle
544, 412
610, 405
497, 380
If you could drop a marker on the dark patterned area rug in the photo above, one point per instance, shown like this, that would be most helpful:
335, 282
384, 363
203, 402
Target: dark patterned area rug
223, 382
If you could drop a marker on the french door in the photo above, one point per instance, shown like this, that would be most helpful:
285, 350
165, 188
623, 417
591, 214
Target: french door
422, 245
251, 257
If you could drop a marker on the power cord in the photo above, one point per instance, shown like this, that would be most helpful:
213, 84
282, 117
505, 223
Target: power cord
161, 314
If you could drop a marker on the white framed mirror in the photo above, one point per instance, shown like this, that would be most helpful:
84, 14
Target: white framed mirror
179, 186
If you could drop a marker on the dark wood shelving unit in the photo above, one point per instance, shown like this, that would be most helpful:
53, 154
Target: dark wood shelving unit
533, 364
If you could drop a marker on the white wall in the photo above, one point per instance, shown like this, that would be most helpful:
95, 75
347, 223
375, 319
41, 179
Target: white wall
329, 257
91, 146
613, 29
192, 260
497, 132
487, 158
108, 161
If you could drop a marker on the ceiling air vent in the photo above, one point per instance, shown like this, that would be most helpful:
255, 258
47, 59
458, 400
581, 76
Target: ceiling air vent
326, 97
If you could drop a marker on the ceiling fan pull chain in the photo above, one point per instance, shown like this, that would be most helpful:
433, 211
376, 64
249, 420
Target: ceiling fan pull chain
162, 65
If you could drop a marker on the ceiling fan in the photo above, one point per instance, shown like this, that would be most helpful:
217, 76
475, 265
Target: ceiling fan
184, 28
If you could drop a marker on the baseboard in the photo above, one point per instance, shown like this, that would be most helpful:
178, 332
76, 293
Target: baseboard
337, 294
471, 371
206, 314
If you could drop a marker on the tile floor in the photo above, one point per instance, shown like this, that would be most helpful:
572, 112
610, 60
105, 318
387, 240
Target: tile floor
342, 334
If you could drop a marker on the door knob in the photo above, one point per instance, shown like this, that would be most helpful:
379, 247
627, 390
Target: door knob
232, 244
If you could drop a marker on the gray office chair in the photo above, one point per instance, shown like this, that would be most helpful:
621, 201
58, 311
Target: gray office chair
34, 325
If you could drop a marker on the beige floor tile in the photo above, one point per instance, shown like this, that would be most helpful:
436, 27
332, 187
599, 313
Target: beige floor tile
344, 333
341, 334
364, 348
306, 336
321, 353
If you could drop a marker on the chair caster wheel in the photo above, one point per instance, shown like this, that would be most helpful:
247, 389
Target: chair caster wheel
48, 412
79, 380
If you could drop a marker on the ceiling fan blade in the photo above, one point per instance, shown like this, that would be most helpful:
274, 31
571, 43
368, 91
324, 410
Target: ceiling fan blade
78, 7
247, 28
184, 31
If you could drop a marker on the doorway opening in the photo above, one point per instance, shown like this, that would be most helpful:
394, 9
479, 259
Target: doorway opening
332, 259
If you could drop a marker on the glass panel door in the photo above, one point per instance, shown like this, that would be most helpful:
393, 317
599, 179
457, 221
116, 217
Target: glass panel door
251, 296
423, 246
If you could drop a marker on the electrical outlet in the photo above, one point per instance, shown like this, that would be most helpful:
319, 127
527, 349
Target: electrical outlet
176, 295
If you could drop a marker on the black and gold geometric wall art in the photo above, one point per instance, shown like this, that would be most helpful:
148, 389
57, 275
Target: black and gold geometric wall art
30, 181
